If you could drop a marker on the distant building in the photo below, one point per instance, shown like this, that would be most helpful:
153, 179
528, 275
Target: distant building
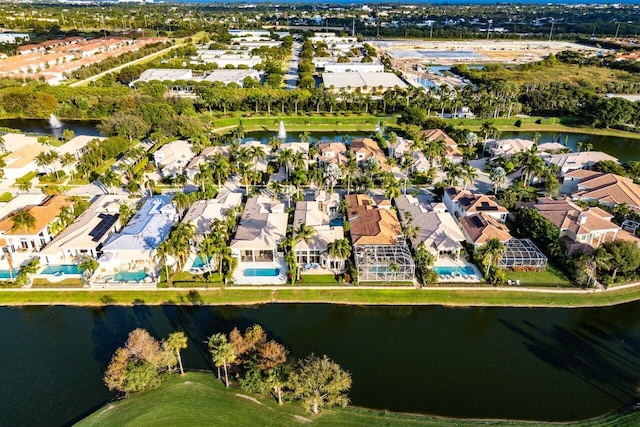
366, 148
361, 82
508, 147
13, 38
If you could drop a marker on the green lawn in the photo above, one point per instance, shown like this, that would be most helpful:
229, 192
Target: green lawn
333, 122
347, 295
66, 283
199, 399
317, 279
548, 124
551, 277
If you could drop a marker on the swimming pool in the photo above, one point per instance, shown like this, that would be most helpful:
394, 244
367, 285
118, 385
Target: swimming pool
61, 269
453, 270
261, 272
8, 274
379, 269
336, 222
199, 262
129, 276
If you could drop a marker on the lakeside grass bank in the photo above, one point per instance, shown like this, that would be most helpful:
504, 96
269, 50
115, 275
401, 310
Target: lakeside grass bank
198, 398
505, 297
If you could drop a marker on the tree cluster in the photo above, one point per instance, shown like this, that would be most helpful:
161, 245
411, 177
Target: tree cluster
144, 362
260, 366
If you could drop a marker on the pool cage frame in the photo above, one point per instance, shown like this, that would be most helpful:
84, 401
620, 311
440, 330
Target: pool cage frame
373, 263
522, 253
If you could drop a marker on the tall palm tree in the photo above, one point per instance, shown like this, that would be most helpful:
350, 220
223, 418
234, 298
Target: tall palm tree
67, 160
434, 150
110, 179
222, 353
23, 219
491, 252
469, 175
498, 178
350, 169
176, 342
391, 188
339, 249
285, 158
530, 163
220, 168
66, 216
274, 143
180, 239
453, 174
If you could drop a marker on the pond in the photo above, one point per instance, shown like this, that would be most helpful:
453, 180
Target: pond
294, 136
519, 363
625, 149
43, 127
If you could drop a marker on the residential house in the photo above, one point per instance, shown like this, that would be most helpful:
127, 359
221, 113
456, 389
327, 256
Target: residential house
15, 240
173, 158
581, 229
262, 227
332, 152
481, 227
202, 213
329, 203
508, 147
134, 247
571, 161
205, 156
16, 141
23, 161
380, 252
401, 147
87, 233
452, 153
76, 145
366, 148
608, 189
313, 256
436, 227
462, 203
261, 164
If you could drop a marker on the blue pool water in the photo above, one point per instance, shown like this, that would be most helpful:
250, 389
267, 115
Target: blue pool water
261, 272
336, 222
379, 269
129, 276
450, 270
199, 262
8, 274
66, 269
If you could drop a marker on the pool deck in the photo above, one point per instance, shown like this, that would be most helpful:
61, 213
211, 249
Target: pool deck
450, 262
240, 279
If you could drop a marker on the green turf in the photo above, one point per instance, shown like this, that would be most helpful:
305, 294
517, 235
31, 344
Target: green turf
550, 277
199, 399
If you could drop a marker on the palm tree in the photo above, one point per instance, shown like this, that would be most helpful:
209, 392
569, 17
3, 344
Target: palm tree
66, 215
274, 143
43, 160
67, 160
220, 168
285, 158
88, 265
163, 251
498, 178
23, 219
391, 188
434, 150
181, 201
410, 231
180, 239
491, 252
24, 185
530, 163
53, 158
110, 179
453, 174
350, 169
339, 249
222, 353
176, 342
469, 174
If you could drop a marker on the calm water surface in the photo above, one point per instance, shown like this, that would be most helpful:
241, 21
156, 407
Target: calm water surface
543, 364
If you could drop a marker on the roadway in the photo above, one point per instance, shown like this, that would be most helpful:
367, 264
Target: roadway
291, 76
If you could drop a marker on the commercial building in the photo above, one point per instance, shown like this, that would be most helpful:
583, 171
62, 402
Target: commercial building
361, 82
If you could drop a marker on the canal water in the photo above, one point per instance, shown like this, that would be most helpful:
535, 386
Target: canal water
535, 364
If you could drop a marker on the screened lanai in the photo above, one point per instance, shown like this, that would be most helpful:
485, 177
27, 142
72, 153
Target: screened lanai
384, 263
522, 253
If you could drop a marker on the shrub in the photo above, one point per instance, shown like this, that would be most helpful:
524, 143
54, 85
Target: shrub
518, 123
6, 197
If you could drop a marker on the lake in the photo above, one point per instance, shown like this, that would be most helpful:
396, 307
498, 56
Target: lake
625, 149
540, 364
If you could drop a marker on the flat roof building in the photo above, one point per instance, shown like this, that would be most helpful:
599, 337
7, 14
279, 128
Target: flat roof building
366, 82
